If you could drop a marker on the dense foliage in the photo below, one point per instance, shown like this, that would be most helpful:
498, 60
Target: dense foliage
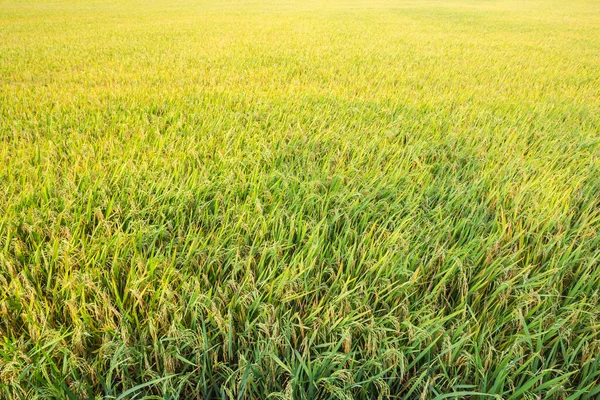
305, 199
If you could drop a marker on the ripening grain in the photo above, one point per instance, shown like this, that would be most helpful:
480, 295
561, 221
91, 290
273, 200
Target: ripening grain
300, 199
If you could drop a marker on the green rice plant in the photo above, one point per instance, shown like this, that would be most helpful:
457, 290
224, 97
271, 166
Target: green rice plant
300, 199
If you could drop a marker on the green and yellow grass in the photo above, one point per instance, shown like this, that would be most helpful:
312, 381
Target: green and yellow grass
300, 199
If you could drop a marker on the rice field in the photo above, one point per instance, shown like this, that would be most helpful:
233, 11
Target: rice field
300, 199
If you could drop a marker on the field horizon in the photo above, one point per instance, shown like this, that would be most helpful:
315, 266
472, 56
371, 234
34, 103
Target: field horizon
300, 199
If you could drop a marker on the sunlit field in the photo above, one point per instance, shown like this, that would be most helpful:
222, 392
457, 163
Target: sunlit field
300, 199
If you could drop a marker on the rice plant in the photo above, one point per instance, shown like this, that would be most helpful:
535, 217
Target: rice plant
300, 199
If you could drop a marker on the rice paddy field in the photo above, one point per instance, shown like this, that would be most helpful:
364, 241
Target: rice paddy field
295, 199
